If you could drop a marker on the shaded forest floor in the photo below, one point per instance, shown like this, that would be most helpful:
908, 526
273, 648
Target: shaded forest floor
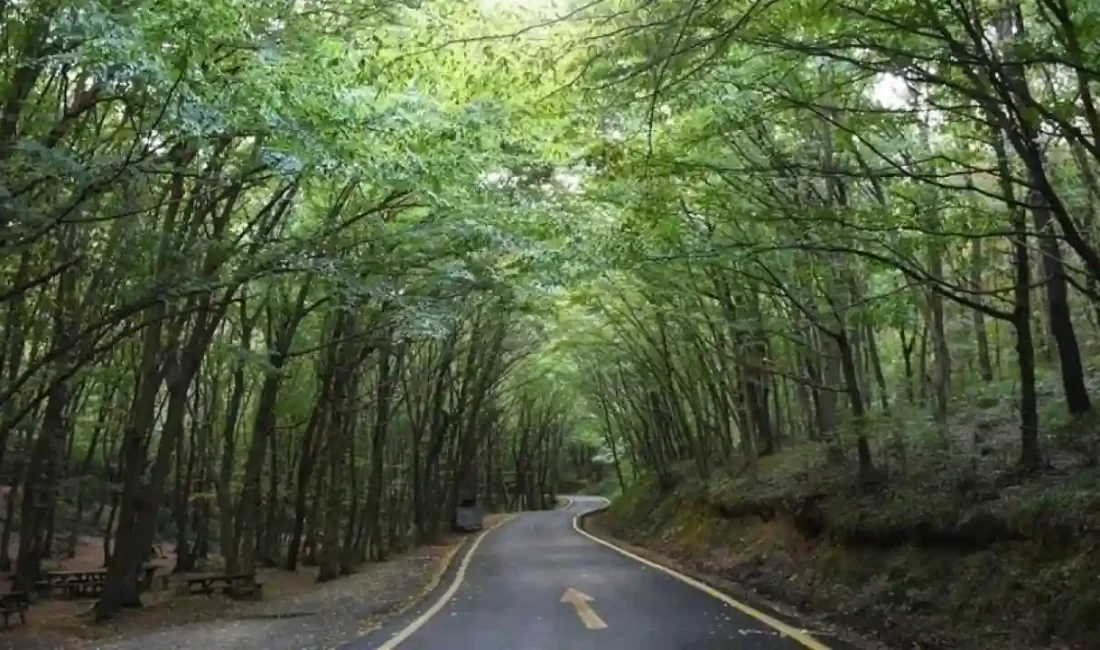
296, 613
954, 549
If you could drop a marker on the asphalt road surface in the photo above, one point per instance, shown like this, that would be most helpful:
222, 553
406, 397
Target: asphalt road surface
535, 583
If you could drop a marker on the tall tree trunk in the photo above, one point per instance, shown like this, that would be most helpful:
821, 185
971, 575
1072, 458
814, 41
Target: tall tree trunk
1061, 323
855, 398
12, 358
271, 528
340, 429
389, 365
39, 487
876, 367
977, 265
9, 527
230, 552
922, 366
1030, 454
304, 475
827, 398
248, 504
310, 446
136, 532
942, 380
182, 510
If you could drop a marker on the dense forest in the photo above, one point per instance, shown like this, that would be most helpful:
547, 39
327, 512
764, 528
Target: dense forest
287, 281
889, 204
257, 295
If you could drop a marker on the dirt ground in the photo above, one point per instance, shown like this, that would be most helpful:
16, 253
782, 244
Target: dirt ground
296, 613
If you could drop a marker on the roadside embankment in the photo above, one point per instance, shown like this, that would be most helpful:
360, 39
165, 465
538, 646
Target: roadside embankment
1004, 564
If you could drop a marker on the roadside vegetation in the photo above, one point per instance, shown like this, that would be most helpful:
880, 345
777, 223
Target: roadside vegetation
267, 278
854, 359
811, 288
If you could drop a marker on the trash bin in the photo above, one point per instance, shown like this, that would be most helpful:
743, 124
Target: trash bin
469, 516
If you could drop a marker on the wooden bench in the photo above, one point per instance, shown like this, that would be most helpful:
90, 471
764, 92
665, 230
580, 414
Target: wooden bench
237, 585
16, 602
248, 588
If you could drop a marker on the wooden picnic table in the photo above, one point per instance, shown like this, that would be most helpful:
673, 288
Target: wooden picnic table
14, 603
236, 585
86, 575
89, 583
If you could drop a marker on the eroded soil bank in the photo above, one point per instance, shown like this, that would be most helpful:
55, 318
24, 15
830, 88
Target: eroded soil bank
1017, 569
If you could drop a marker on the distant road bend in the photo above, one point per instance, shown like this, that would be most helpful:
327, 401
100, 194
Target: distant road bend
536, 583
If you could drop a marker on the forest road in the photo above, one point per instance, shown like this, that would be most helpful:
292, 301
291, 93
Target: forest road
536, 583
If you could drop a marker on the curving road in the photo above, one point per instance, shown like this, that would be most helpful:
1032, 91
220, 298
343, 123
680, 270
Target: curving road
537, 584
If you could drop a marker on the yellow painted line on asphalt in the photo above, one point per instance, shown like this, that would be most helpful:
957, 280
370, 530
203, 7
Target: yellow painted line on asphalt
582, 602
798, 635
419, 622
437, 577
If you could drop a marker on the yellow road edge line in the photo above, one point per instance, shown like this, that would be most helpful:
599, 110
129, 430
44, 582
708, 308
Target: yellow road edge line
421, 620
798, 635
437, 577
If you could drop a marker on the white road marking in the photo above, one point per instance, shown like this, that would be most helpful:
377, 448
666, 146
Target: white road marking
784, 630
404, 634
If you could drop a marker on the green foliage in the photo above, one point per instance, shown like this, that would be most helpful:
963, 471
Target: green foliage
613, 242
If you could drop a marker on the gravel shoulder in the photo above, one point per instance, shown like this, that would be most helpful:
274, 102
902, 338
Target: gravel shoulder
322, 617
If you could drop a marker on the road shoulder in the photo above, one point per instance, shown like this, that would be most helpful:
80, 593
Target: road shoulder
830, 636
403, 622
326, 616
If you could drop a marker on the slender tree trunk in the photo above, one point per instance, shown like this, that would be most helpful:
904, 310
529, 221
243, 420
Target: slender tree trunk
182, 510
876, 367
228, 457
39, 489
922, 366
387, 360
271, 528
9, 527
337, 437
827, 398
977, 264
1030, 454
304, 474
1061, 323
942, 385
851, 380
